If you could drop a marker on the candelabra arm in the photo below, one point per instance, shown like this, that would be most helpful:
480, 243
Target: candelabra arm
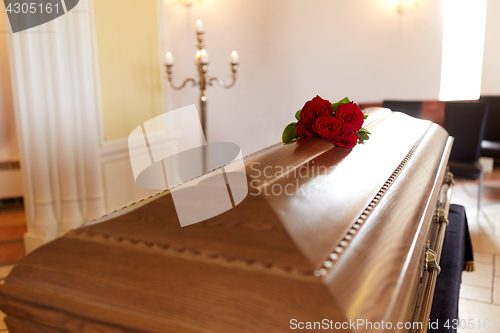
234, 69
221, 83
186, 81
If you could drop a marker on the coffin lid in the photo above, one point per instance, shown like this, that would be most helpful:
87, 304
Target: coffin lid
341, 230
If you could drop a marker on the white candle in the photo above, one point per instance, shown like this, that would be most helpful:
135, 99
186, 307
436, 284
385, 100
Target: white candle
169, 59
200, 28
235, 58
204, 57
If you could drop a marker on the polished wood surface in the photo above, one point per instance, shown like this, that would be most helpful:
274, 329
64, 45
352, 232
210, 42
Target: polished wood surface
12, 229
392, 240
432, 110
261, 264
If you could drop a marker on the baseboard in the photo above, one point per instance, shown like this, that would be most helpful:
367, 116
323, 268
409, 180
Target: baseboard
11, 185
11, 204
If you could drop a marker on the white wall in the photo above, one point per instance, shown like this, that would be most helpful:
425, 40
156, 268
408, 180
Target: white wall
8, 141
291, 50
10, 179
120, 188
490, 84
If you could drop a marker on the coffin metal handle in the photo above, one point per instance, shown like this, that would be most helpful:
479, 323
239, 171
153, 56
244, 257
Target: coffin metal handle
442, 218
431, 262
448, 179
432, 256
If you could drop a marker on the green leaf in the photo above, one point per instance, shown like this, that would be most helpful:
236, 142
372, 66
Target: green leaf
289, 134
363, 136
342, 101
297, 114
364, 130
365, 116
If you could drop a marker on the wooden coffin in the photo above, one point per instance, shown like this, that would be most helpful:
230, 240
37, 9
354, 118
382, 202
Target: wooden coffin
345, 243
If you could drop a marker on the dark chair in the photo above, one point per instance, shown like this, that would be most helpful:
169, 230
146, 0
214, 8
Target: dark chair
466, 121
491, 142
413, 109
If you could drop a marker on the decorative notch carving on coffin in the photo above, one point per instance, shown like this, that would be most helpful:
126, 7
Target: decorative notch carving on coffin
195, 254
342, 246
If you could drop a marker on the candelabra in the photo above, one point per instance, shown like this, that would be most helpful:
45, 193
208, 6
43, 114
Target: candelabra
203, 79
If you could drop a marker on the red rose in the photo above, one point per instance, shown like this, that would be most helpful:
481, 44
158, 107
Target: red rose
302, 128
351, 115
328, 127
346, 140
315, 108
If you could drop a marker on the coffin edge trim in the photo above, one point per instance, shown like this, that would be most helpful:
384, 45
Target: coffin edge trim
351, 233
194, 254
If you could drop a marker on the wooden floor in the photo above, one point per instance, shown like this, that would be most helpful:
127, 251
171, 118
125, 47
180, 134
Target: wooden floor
12, 229
480, 290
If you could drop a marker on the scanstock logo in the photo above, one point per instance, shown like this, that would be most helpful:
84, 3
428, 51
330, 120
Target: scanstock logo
170, 152
25, 14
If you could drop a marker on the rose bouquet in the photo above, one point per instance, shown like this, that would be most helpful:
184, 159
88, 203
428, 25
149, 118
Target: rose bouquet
340, 123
